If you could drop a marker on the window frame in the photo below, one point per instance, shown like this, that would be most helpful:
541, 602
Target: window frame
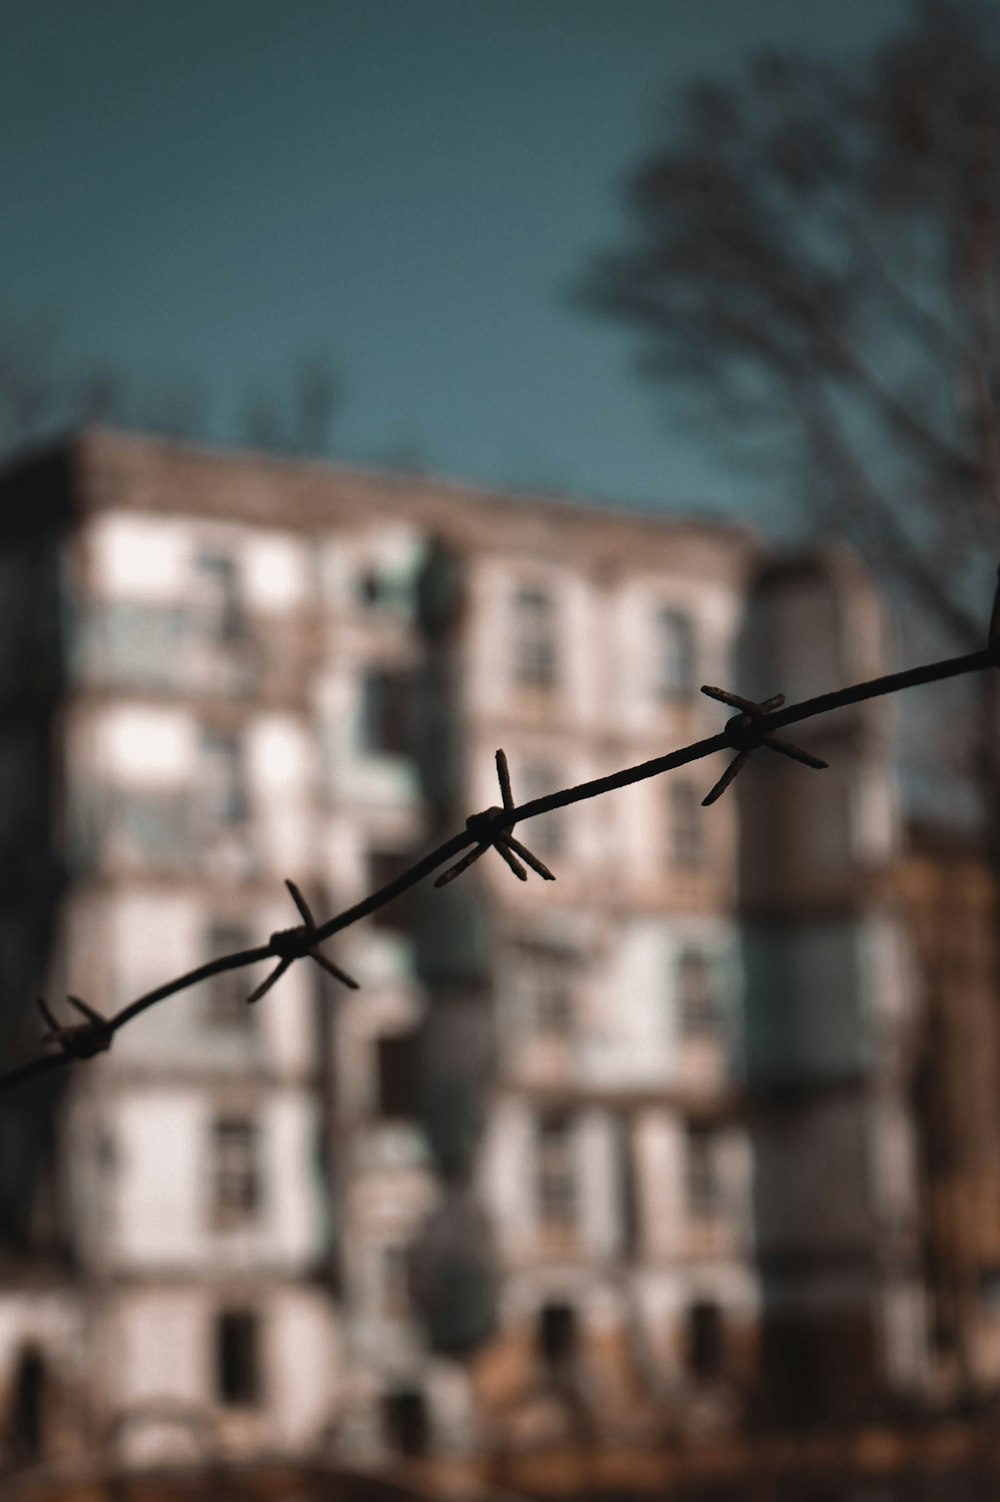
237, 1337
545, 982
385, 711
677, 653
703, 1190
236, 1179
534, 638
686, 829
225, 1002
557, 1189
699, 1011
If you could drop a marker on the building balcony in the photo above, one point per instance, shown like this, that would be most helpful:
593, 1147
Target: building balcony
163, 832
182, 652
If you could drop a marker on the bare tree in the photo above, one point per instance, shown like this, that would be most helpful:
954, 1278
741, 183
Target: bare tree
300, 422
815, 250
42, 394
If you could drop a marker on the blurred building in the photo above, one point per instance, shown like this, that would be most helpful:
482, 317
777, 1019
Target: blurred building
624, 1158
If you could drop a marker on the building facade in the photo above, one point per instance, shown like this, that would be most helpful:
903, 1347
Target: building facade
574, 1159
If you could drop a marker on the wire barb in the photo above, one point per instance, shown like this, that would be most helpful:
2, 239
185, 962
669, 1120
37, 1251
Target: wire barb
503, 774
84, 1039
993, 632
748, 730
298, 943
492, 829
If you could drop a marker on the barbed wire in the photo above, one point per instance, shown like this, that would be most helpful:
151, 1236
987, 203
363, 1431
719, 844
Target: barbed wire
753, 727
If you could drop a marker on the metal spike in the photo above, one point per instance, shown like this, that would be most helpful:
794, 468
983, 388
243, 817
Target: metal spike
993, 633
334, 970
301, 904
795, 752
502, 850
503, 773
86, 1011
526, 855
738, 762
269, 981
48, 1015
462, 865
735, 701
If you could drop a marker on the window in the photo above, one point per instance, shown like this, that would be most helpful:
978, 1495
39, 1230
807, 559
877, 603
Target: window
534, 639
153, 827
235, 1172
371, 588
545, 983
687, 848
385, 712
395, 1263
398, 1077
237, 1358
26, 1410
223, 785
706, 1346
546, 834
220, 592
226, 994
557, 1335
407, 1428
628, 1189
697, 1002
703, 1188
556, 1178
675, 655
141, 645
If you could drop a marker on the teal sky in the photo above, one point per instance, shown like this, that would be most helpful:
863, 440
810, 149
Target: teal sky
202, 190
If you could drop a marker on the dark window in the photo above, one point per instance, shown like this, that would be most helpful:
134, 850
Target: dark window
553, 1003
27, 1405
370, 588
703, 1189
557, 1335
398, 1077
237, 1358
556, 1176
235, 1172
223, 782
676, 679
687, 849
396, 1302
153, 827
385, 712
628, 1198
406, 1422
534, 639
226, 993
706, 1347
546, 991
220, 588
398, 915
697, 1001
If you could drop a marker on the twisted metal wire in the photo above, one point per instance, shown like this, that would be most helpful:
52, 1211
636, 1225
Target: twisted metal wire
752, 728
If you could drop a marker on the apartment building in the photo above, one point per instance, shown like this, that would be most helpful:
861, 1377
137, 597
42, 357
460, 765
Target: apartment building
511, 1190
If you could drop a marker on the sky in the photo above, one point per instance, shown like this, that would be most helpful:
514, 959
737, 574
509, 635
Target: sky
198, 193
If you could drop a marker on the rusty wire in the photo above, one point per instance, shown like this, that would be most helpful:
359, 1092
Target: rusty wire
751, 728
